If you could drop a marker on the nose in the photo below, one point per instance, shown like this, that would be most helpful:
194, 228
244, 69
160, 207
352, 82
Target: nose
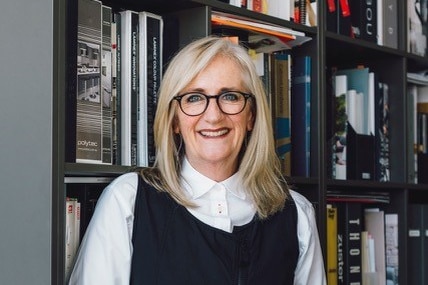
213, 110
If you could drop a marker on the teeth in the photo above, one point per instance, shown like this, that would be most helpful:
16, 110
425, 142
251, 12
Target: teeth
214, 134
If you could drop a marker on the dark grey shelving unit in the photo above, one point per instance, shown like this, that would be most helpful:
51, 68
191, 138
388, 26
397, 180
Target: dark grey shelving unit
33, 131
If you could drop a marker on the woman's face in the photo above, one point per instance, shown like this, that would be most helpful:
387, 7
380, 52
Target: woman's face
213, 139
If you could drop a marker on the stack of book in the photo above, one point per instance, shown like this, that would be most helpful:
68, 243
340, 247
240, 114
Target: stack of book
119, 69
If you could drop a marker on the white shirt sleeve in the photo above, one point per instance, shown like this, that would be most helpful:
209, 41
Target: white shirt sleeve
310, 266
105, 252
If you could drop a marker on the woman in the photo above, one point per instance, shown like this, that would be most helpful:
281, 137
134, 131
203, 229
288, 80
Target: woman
215, 209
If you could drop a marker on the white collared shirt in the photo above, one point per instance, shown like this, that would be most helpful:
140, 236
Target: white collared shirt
105, 253
222, 205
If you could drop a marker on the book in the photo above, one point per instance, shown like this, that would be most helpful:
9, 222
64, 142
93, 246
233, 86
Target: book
382, 125
129, 86
344, 26
349, 228
416, 265
390, 23
287, 37
282, 112
150, 72
72, 232
368, 267
86, 191
374, 224
412, 153
117, 89
364, 19
340, 86
114, 87
88, 96
358, 80
391, 248
331, 244
106, 85
417, 27
332, 14
301, 116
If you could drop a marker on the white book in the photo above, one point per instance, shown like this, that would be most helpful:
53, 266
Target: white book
371, 105
374, 220
279, 9
70, 243
380, 21
354, 105
129, 73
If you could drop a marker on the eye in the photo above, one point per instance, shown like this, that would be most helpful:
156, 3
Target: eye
231, 97
193, 98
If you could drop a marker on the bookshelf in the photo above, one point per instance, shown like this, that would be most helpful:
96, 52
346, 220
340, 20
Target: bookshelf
32, 177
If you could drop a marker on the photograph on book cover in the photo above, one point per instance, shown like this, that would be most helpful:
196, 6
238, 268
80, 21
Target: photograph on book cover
89, 120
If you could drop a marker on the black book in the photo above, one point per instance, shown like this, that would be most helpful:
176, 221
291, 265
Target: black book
349, 227
382, 171
150, 66
332, 14
344, 18
415, 265
364, 19
360, 155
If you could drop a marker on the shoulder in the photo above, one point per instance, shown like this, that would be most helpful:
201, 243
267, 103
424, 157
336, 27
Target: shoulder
301, 201
121, 192
305, 213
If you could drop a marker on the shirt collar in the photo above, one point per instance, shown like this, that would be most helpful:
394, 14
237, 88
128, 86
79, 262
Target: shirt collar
197, 184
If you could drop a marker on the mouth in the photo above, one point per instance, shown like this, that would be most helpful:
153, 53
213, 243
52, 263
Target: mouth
214, 134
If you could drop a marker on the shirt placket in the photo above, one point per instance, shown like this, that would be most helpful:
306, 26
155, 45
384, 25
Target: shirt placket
219, 208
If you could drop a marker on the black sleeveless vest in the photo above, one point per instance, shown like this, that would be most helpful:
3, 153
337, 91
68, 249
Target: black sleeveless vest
171, 246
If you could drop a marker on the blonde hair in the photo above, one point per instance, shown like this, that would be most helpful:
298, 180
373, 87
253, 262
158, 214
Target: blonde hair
259, 168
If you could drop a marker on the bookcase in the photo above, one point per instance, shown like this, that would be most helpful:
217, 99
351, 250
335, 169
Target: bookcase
34, 137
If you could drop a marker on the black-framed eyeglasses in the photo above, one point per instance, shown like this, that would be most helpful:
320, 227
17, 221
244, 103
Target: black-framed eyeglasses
229, 102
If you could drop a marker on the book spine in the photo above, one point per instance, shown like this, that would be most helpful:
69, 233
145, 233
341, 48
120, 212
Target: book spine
349, 229
331, 245
106, 85
391, 248
117, 144
354, 225
415, 265
88, 97
424, 242
340, 87
301, 116
369, 20
332, 14
151, 43
281, 98
382, 132
135, 74
344, 18
129, 86
342, 244
390, 27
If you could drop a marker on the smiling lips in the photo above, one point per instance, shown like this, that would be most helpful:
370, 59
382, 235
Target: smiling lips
217, 133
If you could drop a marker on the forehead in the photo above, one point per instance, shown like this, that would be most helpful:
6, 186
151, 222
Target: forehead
221, 72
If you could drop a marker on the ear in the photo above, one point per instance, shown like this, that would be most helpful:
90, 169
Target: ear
250, 122
175, 127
